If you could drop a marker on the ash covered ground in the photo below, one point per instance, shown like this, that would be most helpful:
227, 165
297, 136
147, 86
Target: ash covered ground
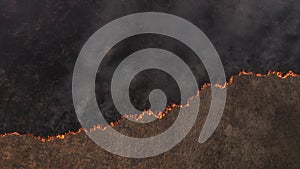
40, 41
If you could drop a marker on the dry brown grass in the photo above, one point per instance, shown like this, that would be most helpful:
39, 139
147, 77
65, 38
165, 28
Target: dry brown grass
259, 129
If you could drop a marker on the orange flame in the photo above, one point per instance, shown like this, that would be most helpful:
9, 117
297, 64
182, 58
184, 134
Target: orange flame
160, 115
42, 139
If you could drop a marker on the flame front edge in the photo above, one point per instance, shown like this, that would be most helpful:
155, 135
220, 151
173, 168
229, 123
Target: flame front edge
160, 115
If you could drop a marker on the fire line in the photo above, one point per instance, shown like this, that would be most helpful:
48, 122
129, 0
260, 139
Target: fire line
160, 115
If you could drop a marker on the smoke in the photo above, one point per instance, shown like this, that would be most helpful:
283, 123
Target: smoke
41, 41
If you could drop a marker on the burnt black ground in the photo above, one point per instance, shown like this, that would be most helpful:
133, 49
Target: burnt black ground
40, 41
